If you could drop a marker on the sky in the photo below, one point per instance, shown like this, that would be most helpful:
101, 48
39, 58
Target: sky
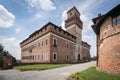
19, 18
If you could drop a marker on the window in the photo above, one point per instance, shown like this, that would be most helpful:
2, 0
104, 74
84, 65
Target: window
67, 45
38, 57
67, 57
46, 41
55, 42
42, 43
116, 20
39, 44
46, 56
78, 56
54, 56
33, 56
42, 57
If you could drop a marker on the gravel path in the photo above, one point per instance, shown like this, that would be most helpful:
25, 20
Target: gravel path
51, 74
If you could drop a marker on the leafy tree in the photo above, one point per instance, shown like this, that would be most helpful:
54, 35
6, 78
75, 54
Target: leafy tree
94, 58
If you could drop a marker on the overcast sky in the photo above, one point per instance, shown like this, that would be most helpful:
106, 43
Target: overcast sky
19, 18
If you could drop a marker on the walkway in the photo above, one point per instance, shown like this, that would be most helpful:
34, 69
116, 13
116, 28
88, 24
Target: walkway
51, 74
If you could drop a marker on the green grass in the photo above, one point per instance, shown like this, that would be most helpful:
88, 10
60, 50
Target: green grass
93, 74
40, 66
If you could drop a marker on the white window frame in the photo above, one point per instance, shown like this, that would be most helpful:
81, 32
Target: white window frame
46, 56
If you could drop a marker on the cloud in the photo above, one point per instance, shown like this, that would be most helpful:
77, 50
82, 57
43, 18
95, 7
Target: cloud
11, 44
17, 30
87, 34
86, 5
86, 22
64, 17
38, 15
45, 5
6, 18
90, 39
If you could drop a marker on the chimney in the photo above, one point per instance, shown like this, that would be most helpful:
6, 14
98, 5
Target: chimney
99, 14
60, 27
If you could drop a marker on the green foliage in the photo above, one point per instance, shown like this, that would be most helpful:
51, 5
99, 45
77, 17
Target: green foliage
93, 74
1, 48
40, 66
1, 54
14, 60
94, 58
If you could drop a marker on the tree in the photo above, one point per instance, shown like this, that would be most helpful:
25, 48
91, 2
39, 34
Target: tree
94, 58
1, 54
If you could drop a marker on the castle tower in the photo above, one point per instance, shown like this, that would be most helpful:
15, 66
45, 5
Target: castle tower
73, 25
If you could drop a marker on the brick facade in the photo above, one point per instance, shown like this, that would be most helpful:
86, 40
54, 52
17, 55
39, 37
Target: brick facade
52, 44
108, 42
85, 51
7, 62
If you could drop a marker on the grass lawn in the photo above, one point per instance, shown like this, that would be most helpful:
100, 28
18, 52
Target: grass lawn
40, 66
93, 74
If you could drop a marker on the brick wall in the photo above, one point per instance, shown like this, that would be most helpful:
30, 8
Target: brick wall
109, 47
40, 52
32, 50
7, 62
85, 51
63, 49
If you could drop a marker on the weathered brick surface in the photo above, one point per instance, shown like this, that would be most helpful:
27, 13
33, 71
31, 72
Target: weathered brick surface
85, 51
49, 33
109, 47
7, 62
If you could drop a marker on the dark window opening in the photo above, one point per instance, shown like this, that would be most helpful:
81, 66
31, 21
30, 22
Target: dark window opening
46, 41
54, 42
42, 43
67, 57
118, 19
67, 45
78, 56
115, 20
54, 56
70, 14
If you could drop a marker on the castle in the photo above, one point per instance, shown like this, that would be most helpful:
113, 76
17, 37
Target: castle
52, 44
107, 29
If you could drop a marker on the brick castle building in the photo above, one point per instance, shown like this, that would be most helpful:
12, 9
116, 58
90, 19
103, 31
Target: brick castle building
107, 29
52, 44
